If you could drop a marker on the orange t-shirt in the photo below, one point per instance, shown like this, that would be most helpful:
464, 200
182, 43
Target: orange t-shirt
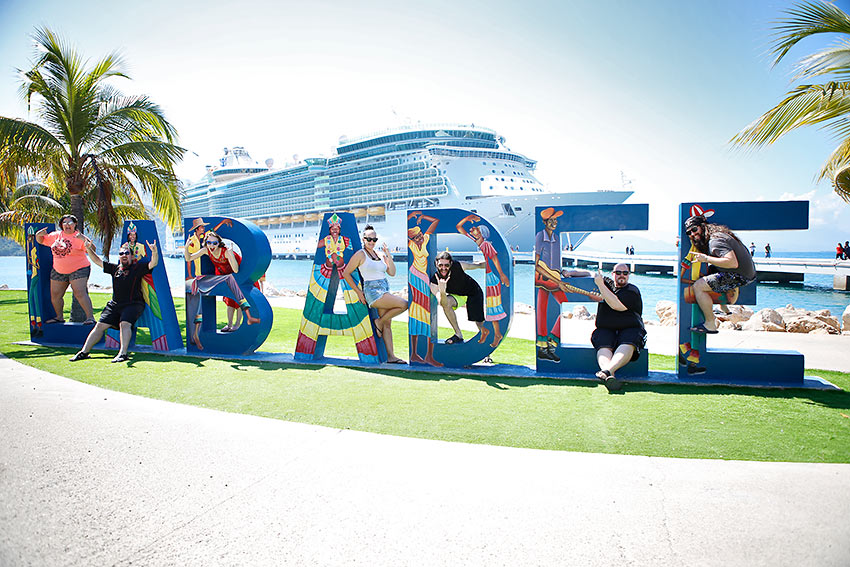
69, 252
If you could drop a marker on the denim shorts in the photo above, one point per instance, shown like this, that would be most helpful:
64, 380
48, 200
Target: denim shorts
375, 290
82, 273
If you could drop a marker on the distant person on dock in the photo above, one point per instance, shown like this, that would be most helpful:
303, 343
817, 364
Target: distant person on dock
846, 249
767, 250
839, 252
620, 334
452, 287
730, 266
753, 249
631, 250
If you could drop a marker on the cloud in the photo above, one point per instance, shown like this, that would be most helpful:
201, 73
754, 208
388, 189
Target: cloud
824, 210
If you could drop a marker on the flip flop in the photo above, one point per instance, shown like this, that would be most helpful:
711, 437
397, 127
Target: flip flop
701, 329
89, 322
54, 320
453, 340
397, 361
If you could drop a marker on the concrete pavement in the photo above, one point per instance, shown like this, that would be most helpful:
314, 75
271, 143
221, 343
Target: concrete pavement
94, 477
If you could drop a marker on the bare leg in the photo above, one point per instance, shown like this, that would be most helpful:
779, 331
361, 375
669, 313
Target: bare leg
706, 305
238, 319
603, 359
125, 331
622, 356
429, 358
231, 311
57, 298
414, 355
94, 336
448, 308
195, 338
81, 291
388, 306
483, 330
497, 337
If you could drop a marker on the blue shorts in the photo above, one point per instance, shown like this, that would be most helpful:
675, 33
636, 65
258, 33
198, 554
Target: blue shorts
375, 290
722, 282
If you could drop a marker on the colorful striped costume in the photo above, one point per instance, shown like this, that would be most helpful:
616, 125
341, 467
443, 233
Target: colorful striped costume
494, 310
419, 316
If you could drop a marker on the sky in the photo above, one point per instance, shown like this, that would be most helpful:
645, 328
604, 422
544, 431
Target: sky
602, 93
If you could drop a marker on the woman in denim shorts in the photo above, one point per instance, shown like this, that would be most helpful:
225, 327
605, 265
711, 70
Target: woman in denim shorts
71, 266
376, 288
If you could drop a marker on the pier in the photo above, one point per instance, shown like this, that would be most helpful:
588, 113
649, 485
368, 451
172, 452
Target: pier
778, 270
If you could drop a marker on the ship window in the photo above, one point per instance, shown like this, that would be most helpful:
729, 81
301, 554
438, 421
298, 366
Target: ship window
481, 179
508, 210
491, 187
517, 208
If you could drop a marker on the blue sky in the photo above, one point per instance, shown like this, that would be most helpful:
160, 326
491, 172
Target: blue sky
654, 89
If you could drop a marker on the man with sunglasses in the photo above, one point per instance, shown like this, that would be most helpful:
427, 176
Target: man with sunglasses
619, 335
127, 303
730, 267
453, 286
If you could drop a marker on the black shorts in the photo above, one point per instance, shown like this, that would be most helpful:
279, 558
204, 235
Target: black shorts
475, 306
113, 314
612, 338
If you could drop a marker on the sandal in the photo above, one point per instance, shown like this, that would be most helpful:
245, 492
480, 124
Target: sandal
397, 361
703, 330
79, 356
121, 358
89, 322
227, 329
453, 340
54, 320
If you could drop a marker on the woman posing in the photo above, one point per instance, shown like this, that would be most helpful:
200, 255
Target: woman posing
71, 267
376, 288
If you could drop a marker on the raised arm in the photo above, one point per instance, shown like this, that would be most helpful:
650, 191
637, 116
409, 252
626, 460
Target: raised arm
388, 260
608, 295
39, 236
196, 255
472, 265
154, 254
90, 250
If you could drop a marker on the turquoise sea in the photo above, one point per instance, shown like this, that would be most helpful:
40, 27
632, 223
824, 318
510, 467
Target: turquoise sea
814, 294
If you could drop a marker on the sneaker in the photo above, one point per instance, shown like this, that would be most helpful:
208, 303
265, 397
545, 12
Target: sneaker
79, 356
121, 358
694, 369
543, 353
552, 356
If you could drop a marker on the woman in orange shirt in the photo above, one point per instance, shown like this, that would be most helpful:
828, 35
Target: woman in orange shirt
71, 267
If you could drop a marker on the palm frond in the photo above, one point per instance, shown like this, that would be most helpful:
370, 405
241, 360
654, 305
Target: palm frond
805, 105
832, 61
805, 20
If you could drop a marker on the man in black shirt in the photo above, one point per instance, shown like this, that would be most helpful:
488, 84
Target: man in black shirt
127, 302
449, 283
619, 335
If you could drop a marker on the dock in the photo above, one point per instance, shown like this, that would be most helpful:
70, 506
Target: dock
777, 270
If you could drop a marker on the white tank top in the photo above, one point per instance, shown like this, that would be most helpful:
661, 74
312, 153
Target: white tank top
373, 269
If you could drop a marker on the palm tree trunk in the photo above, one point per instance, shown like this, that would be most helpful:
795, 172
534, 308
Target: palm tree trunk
78, 315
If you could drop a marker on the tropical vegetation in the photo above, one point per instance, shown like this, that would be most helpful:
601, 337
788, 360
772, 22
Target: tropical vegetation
825, 103
90, 149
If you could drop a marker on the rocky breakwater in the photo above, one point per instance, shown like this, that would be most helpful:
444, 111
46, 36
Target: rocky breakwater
788, 319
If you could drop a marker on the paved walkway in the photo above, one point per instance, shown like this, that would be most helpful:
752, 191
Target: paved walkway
94, 477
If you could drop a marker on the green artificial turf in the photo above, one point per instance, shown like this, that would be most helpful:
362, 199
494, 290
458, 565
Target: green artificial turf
656, 420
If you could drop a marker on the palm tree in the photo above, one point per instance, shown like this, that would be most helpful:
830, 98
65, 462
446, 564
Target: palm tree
826, 104
91, 148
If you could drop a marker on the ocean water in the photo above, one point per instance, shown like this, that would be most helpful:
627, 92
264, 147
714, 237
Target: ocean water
814, 294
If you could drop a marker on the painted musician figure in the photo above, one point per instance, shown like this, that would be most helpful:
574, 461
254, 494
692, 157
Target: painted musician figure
548, 282
730, 267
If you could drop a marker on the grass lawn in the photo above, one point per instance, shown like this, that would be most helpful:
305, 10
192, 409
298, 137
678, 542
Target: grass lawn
670, 421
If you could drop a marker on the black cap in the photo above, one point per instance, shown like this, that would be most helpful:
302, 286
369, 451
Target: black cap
695, 220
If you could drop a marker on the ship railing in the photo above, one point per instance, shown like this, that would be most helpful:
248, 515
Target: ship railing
418, 126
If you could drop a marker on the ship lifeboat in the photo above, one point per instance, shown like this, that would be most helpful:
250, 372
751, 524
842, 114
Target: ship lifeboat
262, 222
376, 211
297, 218
311, 217
284, 220
359, 213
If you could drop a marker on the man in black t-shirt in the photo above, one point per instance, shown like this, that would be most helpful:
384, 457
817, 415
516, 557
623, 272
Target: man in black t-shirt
620, 334
452, 286
127, 303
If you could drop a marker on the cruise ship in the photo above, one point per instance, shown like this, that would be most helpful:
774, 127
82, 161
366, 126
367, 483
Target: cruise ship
379, 177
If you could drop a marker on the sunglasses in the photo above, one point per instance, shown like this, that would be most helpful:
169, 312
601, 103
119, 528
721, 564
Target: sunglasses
692, 230
213, 242
370, 239
124, 253
621, 272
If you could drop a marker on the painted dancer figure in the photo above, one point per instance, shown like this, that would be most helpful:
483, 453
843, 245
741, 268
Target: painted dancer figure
494, 311
376, 288
419, 317
549, 284
33, 294
204, 284
127, 304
